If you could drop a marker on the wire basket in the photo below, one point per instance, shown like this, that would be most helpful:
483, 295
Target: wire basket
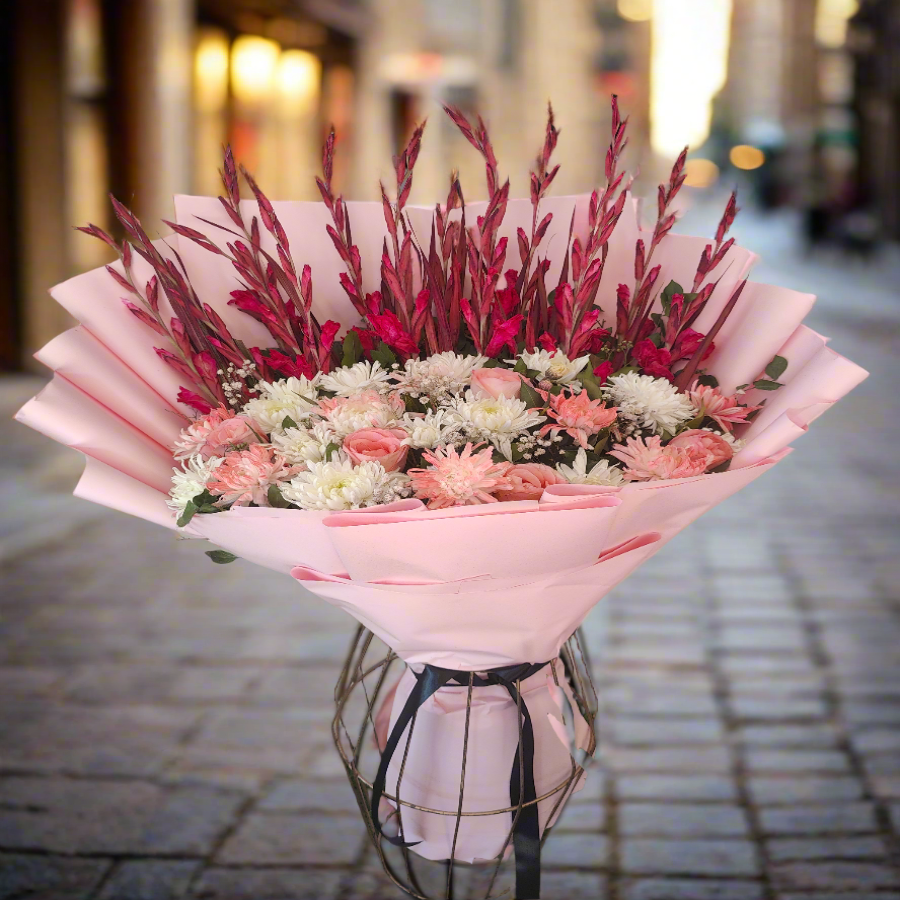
363, 688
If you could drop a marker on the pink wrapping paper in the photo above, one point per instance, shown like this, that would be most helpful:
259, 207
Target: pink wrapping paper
468, 588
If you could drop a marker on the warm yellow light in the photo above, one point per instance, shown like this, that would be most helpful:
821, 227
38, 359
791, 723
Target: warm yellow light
635, 10
831, 21
700, 173
254, 61
743, 156
299, 74
211, 70
689, 65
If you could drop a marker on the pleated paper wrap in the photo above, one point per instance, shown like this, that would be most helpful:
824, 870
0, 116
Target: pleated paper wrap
466, 588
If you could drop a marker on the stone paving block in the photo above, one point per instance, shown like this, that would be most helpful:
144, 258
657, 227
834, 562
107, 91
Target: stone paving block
729, 858
800, 789
778, 708
877, 740
130, 682
293, 839
267, 884
581, 817
681, 820
846, 818
807, 735
637, 732
88, 816
787, 849
205, 683
29, 681
670, 759
861, 713
834, 876
800, 761
49, 877
149, 880
660, 702
576, 850
758, 637
318, 796
675, 787
572, 886
684, 889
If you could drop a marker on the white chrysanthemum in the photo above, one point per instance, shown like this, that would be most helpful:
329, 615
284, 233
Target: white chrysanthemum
190, 480
428, 431
367, 409
438, 375
600, 474
729, 438
292, 398
351, 379
650, 402
340, 485
305, 445
554, 366
495, 419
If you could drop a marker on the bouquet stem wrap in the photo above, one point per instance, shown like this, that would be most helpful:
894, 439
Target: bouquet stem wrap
526, 828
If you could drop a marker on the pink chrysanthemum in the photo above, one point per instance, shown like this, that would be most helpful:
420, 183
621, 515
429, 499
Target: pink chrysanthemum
723, 409
647, 460
578, 416
458, 479
245, 475
212, 434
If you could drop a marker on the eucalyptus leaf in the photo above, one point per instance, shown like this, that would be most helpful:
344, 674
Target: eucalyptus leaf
188, 514
221, 557
276, 498
530, 396
775, 369
351, 349
763, 384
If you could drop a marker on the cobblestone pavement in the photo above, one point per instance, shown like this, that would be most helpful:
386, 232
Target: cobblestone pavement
164, 722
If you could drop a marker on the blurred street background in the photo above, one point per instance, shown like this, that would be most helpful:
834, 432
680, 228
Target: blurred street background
164, 722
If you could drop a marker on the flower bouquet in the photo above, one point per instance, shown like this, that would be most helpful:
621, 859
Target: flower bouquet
484, 417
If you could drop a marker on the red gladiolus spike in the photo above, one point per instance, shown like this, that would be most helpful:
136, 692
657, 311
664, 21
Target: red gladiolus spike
146, 318
195, 401
547, 342
623, 295
603, 371
503, 335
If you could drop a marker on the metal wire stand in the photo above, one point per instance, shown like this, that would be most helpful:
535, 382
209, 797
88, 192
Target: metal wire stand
362, 683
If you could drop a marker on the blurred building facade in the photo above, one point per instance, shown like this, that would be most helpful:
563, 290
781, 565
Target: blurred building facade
138, 97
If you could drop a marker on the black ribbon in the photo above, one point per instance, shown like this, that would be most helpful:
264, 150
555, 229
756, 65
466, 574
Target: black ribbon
526, 829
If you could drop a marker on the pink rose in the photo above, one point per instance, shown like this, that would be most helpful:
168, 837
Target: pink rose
527, 481
229, 434
496, 382
715, 447
381, 445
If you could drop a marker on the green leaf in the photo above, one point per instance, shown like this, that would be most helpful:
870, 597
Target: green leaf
657, 339
696, 422
708, 380
763, 385
288, 422
383, 354
722, 467
276, 498
330, 450
775, 369
669, 291
221, 556
520, 367
531, 397
189, 509
600, 446
590, 384
742, 387
492, 364
351, 349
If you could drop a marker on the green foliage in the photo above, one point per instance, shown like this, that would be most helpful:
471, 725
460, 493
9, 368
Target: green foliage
520, 367
330, 450
763, 384
775, 369
276, 499
288, 422
590, 384
351, 349
383, 354
221, 557
204, 502
708, 380
531, 397
668, 292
